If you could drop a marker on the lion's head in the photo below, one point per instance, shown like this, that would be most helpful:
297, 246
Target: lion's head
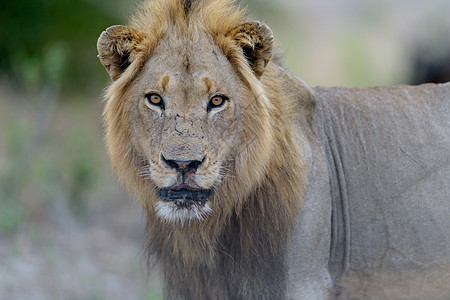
188, 124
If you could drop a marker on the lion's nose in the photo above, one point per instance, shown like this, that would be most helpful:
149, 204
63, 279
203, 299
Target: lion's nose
183, 166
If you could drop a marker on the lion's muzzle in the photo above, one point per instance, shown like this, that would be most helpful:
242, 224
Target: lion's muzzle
188, 192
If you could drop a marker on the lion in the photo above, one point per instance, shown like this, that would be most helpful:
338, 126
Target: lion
256, 185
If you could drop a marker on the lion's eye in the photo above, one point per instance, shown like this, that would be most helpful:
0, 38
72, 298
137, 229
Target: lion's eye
155, 99
216, 101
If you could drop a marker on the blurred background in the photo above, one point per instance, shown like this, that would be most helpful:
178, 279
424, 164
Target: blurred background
67, 231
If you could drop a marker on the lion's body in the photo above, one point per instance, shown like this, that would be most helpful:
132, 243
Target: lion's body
256, 186
385, 154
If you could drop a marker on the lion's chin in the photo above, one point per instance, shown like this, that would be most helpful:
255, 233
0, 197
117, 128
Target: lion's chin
183, 206
171, 212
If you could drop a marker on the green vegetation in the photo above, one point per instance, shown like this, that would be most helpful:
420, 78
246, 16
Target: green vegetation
54, 41
46, 163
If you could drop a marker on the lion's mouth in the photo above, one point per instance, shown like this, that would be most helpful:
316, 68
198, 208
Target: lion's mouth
183, 203
185, 197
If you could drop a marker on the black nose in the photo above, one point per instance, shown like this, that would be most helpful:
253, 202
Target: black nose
183, 166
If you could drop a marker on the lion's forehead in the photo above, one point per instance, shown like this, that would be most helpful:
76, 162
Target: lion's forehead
188, 68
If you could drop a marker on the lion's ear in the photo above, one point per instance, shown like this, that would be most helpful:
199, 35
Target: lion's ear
116, 47
256, 40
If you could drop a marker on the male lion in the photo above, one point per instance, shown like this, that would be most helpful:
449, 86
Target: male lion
257, 186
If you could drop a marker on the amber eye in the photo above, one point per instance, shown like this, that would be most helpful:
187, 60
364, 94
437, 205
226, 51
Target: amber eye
216, 101
155, 99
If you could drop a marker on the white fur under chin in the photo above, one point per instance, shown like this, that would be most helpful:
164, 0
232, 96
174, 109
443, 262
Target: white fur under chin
170, 212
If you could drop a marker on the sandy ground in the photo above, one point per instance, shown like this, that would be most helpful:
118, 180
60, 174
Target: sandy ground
63, 257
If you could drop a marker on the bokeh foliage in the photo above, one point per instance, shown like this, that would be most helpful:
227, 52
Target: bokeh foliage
53, 41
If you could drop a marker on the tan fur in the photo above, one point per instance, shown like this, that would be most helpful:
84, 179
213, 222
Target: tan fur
239, 250
165, 80
208, 84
